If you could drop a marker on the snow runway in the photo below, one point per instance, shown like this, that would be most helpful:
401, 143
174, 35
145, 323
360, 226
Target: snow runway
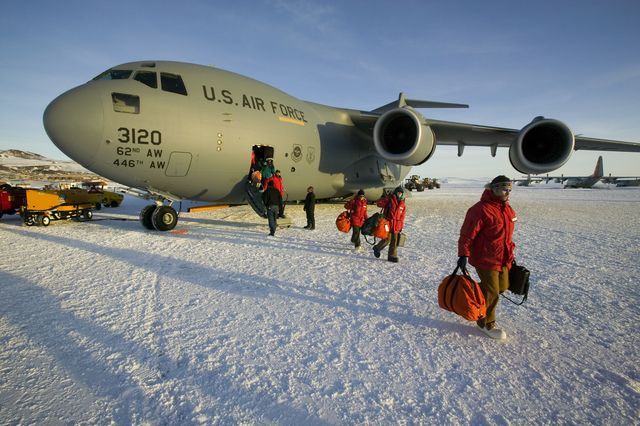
103, 321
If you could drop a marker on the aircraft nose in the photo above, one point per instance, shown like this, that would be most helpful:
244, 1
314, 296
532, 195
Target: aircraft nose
74, 123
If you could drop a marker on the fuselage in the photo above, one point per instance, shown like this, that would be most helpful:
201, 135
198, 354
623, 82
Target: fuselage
188, 131
586, 182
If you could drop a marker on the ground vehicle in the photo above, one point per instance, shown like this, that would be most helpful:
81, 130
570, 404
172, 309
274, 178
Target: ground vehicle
11, 198
430, 183
41, 207
106, 198
414, 183
91, 192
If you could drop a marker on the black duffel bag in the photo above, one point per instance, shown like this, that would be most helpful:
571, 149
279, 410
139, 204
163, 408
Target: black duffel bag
518, 282
370, 224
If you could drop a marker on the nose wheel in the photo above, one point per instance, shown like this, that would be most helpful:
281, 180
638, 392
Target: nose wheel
160, 218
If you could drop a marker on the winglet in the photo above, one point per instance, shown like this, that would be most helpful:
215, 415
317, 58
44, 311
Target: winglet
403, 101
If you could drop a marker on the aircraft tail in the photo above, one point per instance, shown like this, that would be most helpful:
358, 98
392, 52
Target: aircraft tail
599, 170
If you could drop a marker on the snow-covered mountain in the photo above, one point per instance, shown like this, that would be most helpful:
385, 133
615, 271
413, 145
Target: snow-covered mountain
16, 153
17, 165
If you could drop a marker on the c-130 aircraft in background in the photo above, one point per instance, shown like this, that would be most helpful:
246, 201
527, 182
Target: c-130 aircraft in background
185, 131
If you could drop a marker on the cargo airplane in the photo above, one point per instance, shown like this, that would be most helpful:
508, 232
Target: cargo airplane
578, 181
586, 181
568, 181
185, 131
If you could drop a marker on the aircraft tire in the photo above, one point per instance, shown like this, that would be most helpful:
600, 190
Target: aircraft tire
145, 216
164, 218
87, 214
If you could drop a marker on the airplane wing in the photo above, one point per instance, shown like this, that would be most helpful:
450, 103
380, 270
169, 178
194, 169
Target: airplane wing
464, 134
529, 179
540, 146
593, 144
415, 103
615, 179
451, 133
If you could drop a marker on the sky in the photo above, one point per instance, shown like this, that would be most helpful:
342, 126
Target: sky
576, 61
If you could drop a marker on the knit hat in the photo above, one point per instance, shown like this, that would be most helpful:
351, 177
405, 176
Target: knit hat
361, 192
500, 179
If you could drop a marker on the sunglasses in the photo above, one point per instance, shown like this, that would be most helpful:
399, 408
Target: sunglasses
503, 186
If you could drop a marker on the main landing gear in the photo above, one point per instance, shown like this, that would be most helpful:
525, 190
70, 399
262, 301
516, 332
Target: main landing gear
160, 218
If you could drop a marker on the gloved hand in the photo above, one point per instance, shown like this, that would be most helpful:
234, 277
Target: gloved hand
462, 262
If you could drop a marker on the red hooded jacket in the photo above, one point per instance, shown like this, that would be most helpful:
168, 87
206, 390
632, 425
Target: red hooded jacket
394, 211
485, 236
277, 183
357, 210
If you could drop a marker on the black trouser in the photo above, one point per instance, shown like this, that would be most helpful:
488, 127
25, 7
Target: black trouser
272, 213
355, 236
311, 220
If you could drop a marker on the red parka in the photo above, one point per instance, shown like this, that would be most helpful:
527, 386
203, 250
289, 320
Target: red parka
485, 236
357, 210
394, 211
277, 183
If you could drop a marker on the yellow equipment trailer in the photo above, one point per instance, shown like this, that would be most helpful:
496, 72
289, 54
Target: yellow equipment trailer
41, 207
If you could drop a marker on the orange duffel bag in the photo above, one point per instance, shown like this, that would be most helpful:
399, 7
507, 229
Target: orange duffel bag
381, 230
343, 222
460, 294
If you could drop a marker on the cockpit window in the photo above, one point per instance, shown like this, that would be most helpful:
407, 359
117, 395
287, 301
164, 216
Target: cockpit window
123, 102
172, 83
114, 75
147, 77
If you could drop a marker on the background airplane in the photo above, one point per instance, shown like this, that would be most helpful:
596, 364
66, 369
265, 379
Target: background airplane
625, 182
526, 181
185, 131
586, 181
581, 181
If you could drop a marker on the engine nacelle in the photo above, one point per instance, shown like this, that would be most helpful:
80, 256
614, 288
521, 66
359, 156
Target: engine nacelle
542, 146
400, 137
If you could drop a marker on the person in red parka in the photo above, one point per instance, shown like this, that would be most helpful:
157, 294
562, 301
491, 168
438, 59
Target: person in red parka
277, 180
394, 210
279, 185
357, 208
485, 240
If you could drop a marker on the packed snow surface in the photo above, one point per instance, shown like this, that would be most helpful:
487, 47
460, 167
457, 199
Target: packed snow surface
105, 322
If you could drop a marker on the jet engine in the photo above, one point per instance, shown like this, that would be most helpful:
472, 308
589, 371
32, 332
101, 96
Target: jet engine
542, 146
400, 136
